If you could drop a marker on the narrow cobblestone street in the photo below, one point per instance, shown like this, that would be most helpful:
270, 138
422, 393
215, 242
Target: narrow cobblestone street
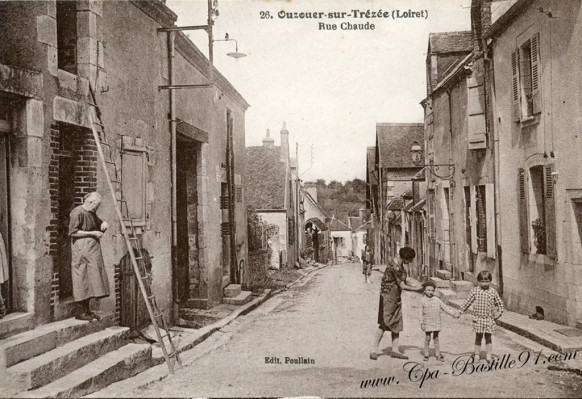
330, 318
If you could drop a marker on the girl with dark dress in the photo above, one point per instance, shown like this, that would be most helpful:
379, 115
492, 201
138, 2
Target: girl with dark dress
390, 312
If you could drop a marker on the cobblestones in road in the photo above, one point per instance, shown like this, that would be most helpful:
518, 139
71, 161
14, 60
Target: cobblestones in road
327, 323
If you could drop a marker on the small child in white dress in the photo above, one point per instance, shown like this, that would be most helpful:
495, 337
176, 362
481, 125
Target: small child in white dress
430, 317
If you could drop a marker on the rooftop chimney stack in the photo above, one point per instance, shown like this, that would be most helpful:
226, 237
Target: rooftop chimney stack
268, 141
284, 143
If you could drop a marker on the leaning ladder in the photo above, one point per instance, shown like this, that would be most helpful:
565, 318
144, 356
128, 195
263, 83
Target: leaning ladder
128, 230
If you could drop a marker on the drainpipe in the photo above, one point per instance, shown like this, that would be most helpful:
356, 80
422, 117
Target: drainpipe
494, 128
451, 190
171, 58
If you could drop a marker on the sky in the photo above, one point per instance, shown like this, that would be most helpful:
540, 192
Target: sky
331, 87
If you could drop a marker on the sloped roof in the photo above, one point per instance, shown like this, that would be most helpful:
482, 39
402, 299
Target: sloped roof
355, 221
450, 42
336, 225
370, 162
318, 223
265, 177
396, 204
394, 141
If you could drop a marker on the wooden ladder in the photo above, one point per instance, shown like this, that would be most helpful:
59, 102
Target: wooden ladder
128, 230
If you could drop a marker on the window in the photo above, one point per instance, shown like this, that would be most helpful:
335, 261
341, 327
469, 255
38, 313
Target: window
477, 127
525, 66
480, 219
537, 217
133, 185
67, 36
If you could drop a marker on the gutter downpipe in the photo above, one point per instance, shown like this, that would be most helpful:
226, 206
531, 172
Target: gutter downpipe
489, 92
452, 242
171, 59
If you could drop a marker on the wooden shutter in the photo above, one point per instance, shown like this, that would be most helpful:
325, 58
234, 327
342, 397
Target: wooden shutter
490, 219
550, 211
515, 96
476, 113
535, 73
522, 205
473, 210
133, 184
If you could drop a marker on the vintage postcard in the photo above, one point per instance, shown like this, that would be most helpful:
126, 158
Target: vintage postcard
290, 198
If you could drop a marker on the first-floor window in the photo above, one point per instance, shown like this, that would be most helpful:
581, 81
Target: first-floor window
133, 185
537, 210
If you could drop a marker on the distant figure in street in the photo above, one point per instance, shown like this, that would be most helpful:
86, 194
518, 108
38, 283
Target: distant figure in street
488, 307
390, 311
87, 268
430, 318
367, 264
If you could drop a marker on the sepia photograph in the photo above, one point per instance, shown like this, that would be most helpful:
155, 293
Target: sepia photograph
290, 198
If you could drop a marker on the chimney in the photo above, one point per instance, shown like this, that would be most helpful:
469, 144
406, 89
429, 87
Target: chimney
362, 213
284, 143
268, 141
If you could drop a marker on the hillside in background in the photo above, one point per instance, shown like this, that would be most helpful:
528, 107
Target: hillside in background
341, 200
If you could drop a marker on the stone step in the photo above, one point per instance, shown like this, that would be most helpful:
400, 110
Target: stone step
52, 365
462, 288
445, 294
444, 274
240, 299
28, 344
114, 366
440, 283
232, 290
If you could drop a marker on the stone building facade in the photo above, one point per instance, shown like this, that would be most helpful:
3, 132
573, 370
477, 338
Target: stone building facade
52, 52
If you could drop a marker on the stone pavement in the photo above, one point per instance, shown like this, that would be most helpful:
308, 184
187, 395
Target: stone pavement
330, 317
186, 339
545, 333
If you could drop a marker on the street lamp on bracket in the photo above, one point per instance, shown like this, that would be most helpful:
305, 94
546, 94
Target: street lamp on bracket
432, 168
234, 54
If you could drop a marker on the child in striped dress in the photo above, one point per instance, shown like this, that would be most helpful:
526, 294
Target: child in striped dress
430, 318
487, 307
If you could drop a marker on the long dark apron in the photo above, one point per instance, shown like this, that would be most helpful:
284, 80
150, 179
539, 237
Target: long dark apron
88, 269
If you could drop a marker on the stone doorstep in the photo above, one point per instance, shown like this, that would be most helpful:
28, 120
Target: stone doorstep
28, 344
232, 290
440, 283
445, 294
14, 323
114, 366
444, 274
240, 299
49, 366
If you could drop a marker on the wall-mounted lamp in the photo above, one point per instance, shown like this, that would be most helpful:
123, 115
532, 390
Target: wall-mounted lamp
433, 168
234, 54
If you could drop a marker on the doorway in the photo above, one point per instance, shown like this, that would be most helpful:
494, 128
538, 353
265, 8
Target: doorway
187, 273
5, 270
66, 202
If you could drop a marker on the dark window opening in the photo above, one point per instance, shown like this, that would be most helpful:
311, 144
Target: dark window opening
67, 36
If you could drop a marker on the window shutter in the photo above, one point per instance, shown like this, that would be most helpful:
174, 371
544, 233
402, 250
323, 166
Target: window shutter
473, 209
476, 113
522, 205
515, 86
535, 73
133, 184
490, 219
550, 211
